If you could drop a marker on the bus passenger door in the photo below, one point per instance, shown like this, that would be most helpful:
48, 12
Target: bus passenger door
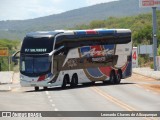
55, 66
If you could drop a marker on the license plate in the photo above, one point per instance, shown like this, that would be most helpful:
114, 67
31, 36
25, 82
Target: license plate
33, 84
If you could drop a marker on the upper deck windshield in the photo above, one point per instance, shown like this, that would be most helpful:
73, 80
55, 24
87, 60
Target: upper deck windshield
37, 45
35, 66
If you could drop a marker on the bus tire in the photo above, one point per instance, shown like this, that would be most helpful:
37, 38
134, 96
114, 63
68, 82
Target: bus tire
106, 82
45, 88
92, 83
36, 88
120, 72
112, 77
118, 78
74, 81
65, 80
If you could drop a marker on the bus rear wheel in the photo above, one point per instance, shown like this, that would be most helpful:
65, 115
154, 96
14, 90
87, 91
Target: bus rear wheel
36, 88
65, 80
118, 78
74, 81
92, 83
112, 77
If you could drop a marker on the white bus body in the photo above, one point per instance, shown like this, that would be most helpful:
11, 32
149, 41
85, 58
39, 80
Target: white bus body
58, 58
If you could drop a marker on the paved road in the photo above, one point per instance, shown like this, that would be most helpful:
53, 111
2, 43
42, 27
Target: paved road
130, 95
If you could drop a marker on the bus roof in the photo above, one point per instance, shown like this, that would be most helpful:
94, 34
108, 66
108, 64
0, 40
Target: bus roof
101, 31
40, 34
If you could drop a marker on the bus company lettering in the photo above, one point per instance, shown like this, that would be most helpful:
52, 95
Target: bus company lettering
93, 52
99, 59
36, 50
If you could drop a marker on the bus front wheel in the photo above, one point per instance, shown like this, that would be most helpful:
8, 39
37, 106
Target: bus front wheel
36, 88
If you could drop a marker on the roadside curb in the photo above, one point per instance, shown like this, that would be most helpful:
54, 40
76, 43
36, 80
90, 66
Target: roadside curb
6, 77
147, 72
6, 81
5, 87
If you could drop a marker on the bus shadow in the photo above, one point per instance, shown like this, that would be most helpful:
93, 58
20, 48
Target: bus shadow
79, 87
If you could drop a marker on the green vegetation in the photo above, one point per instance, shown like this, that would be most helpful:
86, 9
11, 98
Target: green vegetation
12, 46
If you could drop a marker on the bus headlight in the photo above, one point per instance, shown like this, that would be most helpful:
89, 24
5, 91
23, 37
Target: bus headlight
21, 77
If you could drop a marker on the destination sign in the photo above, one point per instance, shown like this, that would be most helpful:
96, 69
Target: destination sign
38, 50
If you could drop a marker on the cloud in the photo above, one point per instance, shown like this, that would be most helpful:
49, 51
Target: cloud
44, 8
27, 9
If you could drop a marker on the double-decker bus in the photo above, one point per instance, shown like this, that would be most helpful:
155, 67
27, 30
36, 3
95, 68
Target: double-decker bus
72, 57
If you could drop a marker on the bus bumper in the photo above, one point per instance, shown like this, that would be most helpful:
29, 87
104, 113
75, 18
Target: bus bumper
33, 82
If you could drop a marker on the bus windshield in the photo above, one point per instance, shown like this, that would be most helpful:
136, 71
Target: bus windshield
35, 65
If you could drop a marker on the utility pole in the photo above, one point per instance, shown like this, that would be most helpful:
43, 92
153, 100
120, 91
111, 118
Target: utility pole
154, 4
9, 63
154, 20
0, 67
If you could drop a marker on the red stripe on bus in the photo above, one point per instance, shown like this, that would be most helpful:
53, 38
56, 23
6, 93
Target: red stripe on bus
91, 32
41, 78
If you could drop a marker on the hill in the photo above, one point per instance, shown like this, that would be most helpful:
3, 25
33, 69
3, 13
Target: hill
18, 28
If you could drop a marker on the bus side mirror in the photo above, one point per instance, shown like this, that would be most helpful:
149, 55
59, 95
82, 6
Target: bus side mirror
15, 58
56, 50
60, 48
59, 51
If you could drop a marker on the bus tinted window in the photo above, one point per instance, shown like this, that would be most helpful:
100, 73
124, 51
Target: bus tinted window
37, 45
33, 66
71, 41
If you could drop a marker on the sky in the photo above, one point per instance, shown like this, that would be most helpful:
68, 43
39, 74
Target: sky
28, 9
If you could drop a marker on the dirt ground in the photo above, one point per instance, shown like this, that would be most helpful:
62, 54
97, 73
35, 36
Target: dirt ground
16, 77
146, 82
